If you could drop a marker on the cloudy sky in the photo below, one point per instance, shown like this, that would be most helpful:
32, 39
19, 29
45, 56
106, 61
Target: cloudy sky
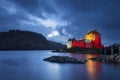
59, 20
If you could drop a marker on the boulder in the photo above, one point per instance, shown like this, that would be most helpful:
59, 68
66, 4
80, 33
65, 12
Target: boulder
65, 59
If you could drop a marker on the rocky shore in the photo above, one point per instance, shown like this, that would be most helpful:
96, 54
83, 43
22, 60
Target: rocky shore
114, 59
65, 59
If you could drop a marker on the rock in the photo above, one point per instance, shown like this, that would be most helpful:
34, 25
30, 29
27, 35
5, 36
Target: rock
65, 59
115, 58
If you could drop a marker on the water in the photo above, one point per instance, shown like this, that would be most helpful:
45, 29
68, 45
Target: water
29, 65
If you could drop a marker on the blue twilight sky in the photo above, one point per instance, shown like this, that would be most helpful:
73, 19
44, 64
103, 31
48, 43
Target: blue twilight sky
59, 20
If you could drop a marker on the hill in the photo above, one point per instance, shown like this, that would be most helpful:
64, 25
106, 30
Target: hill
26, 40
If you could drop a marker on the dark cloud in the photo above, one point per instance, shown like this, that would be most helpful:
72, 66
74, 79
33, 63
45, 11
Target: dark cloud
80, 15
35, 7
93, 14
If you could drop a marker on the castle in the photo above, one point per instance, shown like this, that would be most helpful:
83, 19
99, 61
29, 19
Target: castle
92, 40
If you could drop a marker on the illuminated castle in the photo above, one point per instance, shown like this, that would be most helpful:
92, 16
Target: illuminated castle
92, 40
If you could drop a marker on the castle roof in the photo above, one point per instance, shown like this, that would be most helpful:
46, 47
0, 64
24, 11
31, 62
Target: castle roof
71, 39
94, 31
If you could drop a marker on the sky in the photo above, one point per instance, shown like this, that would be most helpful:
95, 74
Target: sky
59, 20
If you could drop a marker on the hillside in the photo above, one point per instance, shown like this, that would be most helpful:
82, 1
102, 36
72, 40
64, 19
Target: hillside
26, 40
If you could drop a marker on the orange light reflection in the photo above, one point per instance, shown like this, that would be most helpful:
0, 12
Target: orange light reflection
93, 68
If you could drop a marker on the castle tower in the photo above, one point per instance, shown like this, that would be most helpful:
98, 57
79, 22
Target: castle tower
70, 43
95, 37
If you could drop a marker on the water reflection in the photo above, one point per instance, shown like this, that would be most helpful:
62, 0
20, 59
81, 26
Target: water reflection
78, 56
93, 68
53, 68
30, 66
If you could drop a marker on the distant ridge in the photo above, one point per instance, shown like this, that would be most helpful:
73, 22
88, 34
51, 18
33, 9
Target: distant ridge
26, 40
